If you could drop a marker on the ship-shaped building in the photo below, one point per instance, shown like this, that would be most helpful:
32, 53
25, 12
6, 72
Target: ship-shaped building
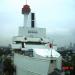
34, 54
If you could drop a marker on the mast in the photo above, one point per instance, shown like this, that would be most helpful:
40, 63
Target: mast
26, 11
26, 2
29, 18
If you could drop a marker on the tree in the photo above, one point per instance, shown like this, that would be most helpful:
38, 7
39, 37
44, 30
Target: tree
1, 52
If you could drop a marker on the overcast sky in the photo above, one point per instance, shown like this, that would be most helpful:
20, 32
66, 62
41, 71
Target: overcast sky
57, 16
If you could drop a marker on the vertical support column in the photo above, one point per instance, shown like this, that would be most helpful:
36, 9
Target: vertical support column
25, 20
22, 44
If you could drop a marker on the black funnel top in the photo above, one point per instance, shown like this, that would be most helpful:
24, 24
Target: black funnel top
32, 20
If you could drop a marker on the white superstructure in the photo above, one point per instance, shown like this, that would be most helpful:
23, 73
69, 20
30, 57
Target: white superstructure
33, 52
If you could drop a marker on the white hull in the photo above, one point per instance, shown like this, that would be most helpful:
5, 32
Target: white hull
34, 54
30, 66
33, 66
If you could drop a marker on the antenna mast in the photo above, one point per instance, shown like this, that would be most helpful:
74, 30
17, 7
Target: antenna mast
26, 2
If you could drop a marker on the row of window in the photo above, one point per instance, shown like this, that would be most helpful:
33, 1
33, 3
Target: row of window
26, 52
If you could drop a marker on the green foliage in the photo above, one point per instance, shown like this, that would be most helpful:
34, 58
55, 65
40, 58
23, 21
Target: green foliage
1, 52
73, 60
